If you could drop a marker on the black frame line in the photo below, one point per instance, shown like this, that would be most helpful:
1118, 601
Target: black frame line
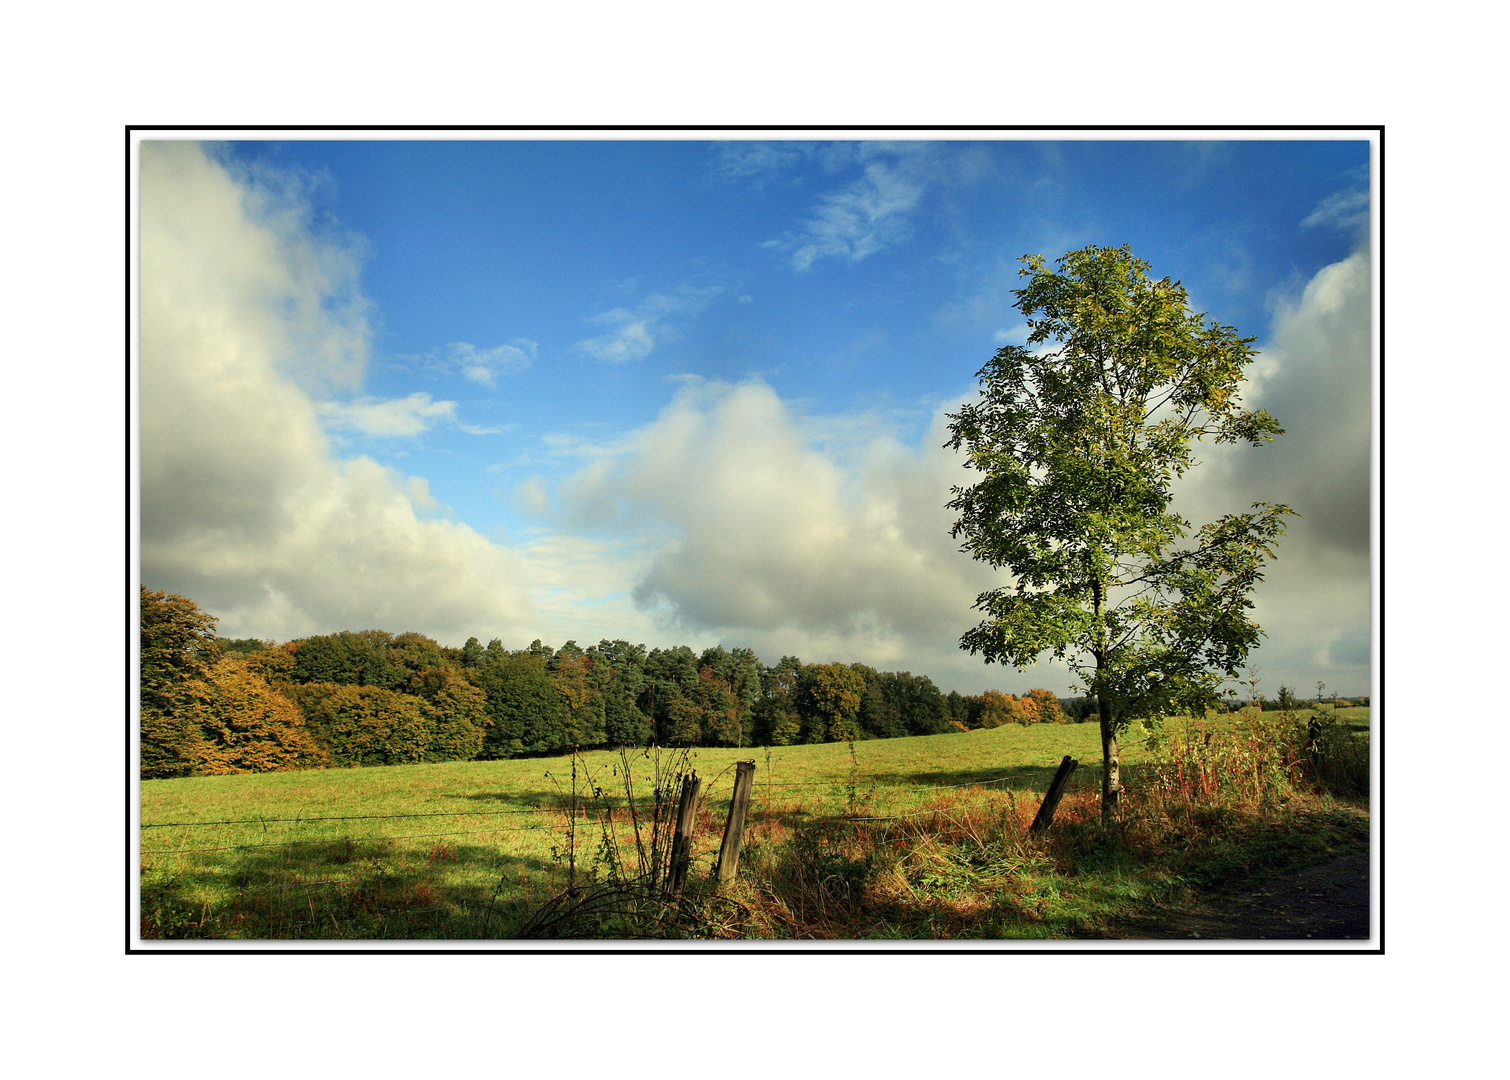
762, 948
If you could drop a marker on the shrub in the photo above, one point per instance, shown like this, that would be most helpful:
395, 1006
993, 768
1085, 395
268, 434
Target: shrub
1258, 756
1255, 757
1336, 760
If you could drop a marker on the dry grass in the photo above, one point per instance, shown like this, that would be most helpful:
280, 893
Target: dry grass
1209, 806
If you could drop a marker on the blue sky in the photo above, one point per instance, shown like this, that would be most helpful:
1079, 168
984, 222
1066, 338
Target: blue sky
692, 391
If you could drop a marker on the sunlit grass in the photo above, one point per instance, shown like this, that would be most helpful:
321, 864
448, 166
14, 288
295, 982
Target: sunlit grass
461, 850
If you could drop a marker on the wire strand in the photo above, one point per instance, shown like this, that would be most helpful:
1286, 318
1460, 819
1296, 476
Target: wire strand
338, 840
352, 817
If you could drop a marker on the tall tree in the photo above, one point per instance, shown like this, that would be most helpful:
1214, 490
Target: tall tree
618, 673
178, 651
670, 679
455, 710
958, 711
365, 725
721, 714
1079, 438
350, 658
581, 701
920, 703
623, 723
880, 716
776, 720
829, 697
993, 708
525, 711
250, 727
1042, 707
414, 652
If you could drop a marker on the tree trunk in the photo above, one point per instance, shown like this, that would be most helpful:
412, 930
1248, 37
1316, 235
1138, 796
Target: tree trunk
1111, 764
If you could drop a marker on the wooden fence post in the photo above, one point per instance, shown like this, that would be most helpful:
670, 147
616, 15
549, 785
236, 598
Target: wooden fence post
681, 842
734, 829
1051, 797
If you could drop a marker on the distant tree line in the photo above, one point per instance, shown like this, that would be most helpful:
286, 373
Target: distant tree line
212, 705
1286, 701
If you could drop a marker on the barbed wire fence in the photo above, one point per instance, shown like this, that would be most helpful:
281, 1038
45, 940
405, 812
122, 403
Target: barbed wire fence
390, 896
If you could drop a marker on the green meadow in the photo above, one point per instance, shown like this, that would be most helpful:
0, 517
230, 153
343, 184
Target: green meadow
903, 838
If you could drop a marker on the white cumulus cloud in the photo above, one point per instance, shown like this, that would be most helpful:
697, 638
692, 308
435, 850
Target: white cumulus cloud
825, 537
1314, 377
246, 314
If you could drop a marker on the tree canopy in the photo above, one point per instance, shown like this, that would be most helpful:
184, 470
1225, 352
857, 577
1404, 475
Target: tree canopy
178, 651
214, 705
1079, 438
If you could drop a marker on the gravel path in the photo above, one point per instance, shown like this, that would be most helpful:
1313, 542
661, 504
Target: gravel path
1327, 902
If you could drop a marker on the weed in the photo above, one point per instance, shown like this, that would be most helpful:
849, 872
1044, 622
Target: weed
1336, 758
625, 887
1216, 802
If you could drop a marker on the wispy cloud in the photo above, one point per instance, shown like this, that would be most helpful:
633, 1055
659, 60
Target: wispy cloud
485, 365
634, 332
394, 419
759, 161
858, 220
874, 211
1343, 210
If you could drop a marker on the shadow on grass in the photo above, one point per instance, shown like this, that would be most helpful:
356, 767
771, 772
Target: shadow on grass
341, 889
1019, 777
1081, 881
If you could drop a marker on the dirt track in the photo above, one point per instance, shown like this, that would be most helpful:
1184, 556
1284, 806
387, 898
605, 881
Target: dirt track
1327, 902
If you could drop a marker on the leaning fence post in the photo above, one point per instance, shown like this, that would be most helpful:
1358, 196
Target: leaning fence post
734, 829
1051, 798
681, 842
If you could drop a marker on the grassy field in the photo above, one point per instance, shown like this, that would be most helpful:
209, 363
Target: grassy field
468, 851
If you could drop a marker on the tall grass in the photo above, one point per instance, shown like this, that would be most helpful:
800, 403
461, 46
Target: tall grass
1210, 804
625, 885
1256, 755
